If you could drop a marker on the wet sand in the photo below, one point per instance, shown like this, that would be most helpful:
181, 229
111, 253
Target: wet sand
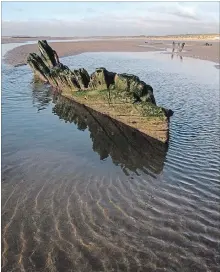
195, 49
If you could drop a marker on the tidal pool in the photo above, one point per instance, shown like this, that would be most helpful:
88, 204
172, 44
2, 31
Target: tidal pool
81, 192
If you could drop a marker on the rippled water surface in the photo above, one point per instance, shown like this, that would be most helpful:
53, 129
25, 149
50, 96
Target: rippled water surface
81, 192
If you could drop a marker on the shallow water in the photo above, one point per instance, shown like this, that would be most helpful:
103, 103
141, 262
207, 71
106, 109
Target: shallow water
81, 192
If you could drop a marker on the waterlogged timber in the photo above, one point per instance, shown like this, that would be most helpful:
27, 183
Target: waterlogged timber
124, 97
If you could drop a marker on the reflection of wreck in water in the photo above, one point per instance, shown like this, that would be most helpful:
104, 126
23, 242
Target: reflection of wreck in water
41, 96
127, 147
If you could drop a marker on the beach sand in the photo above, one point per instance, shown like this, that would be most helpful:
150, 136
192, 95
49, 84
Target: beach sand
193, 48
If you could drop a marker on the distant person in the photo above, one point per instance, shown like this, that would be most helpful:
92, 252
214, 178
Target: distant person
182, 46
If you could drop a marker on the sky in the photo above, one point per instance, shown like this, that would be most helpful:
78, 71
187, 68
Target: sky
60, 19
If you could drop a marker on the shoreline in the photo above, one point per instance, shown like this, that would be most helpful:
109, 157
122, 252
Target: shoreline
194, 49
196, 37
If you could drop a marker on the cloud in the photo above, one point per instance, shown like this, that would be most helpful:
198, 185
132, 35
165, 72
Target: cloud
184, 12
18, 9
109, 18
102, 25
90, 10
179, 10
151, 19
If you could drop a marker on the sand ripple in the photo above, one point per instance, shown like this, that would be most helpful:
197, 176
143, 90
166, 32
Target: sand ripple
107, 224
72, 200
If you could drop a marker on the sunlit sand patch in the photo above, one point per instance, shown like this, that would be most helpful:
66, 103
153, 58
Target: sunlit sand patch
117, 206
50, 259
9, 197
23, 247
5, 230
104, 211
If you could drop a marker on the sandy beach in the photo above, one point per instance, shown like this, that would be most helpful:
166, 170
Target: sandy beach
193, 48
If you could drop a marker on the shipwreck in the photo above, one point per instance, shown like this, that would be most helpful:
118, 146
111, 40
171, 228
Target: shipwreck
123, 97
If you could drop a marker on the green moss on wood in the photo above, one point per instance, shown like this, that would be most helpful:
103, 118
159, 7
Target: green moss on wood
127, 90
